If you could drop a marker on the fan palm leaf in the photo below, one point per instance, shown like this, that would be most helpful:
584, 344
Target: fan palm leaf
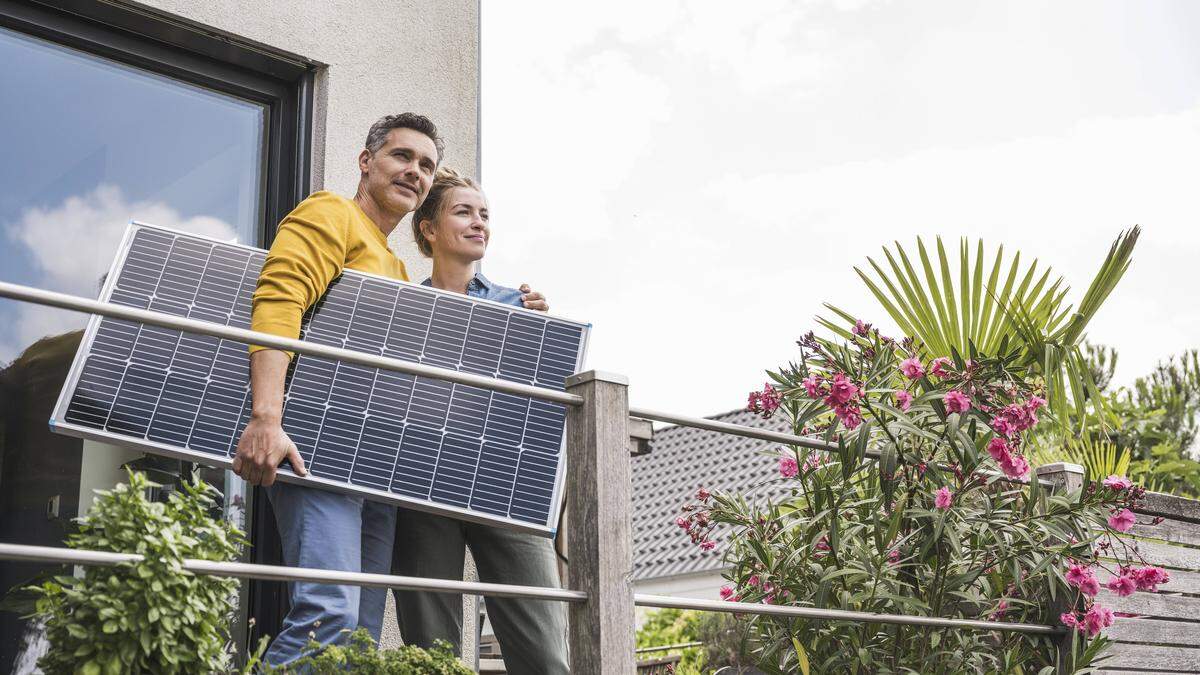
1001, 309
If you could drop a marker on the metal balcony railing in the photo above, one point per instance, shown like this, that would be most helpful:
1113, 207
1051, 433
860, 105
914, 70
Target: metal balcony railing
600, 597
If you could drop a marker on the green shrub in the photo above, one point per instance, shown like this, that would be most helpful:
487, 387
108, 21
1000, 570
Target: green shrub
938, 525
150, 616
361, 655
1146, 432
725, 640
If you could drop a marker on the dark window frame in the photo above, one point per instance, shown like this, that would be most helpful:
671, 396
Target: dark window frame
167, 45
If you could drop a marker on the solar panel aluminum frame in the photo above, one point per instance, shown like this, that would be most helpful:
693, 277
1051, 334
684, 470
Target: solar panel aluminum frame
59, 424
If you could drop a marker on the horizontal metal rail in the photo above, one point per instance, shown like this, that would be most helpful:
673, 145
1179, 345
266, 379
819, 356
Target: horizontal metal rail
78, 304
738, 430
644, 600
667, 648
281, 573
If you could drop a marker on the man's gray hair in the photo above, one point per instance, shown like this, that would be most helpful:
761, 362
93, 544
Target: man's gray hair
378, 134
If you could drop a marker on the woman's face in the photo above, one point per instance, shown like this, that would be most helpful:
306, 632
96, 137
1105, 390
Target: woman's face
461, 229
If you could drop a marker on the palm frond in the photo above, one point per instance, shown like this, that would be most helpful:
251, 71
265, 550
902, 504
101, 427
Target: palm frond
1005, 306
1099, 456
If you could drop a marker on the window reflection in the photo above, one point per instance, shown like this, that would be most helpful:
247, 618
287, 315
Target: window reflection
88, 145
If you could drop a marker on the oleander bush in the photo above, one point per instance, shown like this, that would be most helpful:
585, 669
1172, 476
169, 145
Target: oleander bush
925, 505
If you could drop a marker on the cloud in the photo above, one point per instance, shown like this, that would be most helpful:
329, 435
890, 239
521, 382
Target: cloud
695, 287
72, 245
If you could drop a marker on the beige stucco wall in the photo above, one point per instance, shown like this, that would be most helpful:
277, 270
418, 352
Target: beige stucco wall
374, 57
378, 57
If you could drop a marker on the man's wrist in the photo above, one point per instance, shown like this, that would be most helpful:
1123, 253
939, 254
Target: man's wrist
267, 416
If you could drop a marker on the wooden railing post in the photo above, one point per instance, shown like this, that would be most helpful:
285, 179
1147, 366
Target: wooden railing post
1065, 478
600, 546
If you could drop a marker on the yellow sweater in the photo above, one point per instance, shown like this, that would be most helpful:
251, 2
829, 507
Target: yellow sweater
323, 235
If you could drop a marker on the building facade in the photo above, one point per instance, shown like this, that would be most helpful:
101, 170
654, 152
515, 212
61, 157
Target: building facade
213, 117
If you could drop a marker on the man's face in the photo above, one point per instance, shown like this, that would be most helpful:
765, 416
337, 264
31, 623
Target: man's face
398, 175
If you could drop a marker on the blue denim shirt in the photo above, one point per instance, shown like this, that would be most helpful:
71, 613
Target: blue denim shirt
480, 287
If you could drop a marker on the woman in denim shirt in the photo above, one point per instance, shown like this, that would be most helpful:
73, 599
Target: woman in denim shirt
451, 227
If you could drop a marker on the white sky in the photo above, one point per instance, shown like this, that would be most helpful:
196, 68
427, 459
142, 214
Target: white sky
696, 179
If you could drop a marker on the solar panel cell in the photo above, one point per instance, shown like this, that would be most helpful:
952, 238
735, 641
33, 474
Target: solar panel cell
450, 448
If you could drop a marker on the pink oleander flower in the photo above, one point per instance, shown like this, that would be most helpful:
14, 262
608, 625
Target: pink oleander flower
822, 543
1017, 414
812, 386
1122, 521
1148, 578
1097, 619
770, 399
912, 368
956, 401
861, 329
753, 580
1122, 585
943, 498
1077, 574
1002, 426
726, 592
850, 415
1017, 417
708, 544
1090, 586
1000, 611
893, 556
903, 399
1036, 402
1116, 482
998, 449
1069, 619
842, 390
788, 468
703, 494
1014, 466
683, 523
764, 402
938, 367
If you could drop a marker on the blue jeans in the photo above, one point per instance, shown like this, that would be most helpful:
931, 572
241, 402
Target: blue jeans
332, 531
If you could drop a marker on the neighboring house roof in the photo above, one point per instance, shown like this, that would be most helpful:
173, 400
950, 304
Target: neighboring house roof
682, 460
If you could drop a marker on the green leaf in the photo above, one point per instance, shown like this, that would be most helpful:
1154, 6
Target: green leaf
801, 656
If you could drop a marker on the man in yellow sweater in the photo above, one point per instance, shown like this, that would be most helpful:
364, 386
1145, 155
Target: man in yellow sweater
322, 236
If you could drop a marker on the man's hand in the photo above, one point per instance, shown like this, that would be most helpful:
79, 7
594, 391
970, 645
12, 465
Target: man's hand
533, 300
262, 446
264, 443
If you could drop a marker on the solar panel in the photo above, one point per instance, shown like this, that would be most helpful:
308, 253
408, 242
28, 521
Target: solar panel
443, 447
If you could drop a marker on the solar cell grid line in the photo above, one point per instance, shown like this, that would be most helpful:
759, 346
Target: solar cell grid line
454, 449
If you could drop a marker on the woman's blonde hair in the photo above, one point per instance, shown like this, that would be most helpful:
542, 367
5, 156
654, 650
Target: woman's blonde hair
444, 181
